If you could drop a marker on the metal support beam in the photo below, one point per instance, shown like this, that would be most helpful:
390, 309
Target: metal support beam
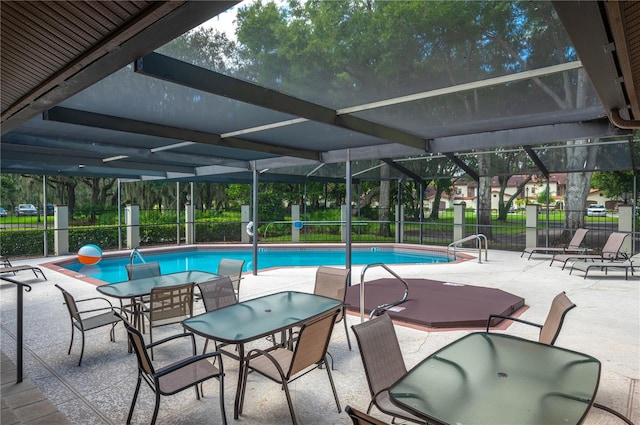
463, 165
536, 160
109, 122
255, 218
115, 52
539, 134
179, 72
585, 24
404, 170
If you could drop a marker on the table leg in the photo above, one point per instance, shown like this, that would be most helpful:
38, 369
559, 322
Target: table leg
237, 407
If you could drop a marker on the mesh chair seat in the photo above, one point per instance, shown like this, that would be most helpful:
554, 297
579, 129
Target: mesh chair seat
177, 376
216, 294
168, 305
87, 320
139, 271
232, 268
383, 363
282, 365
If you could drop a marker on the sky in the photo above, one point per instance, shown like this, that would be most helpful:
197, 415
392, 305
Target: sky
225, 21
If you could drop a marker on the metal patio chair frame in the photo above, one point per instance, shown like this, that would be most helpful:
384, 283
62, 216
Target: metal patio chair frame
383, 364
284, 366
572, 246
175, 377
215, 294
80, 320
168, 305
552, 325
361, 418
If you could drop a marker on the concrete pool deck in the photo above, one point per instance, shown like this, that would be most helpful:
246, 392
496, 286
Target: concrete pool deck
605, 324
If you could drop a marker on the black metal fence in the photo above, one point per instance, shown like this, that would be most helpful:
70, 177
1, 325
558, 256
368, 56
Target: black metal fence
25, 235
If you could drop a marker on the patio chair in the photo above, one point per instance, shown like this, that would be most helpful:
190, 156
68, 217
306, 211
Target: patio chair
142, 270
86, 320
361, 418
233, 269
331, 282
610, 251
603, 265
571, 247
168, 305
216, 294
175, 377
550, 330
283, 366
383, 364
139, 271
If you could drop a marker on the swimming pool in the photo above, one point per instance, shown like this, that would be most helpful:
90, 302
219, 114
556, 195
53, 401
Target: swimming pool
111, 268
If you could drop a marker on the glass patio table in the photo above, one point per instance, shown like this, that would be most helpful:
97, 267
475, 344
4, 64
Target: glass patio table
489, 378
139, 287
257, 318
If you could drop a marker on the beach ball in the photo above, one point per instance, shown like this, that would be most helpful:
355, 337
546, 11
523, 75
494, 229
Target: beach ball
90, 254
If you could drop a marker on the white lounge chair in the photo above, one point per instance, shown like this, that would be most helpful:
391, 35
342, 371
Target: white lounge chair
604, 265
572, 246
610, 251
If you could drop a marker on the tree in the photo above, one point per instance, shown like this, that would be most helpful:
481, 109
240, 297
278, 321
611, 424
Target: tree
504, 207
543, 197
613, 183
9, 189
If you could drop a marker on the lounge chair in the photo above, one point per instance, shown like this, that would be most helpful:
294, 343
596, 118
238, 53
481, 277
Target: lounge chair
610, 251
572, 247
605, 265
15, 269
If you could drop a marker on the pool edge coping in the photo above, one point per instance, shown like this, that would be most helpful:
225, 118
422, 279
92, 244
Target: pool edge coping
57, 265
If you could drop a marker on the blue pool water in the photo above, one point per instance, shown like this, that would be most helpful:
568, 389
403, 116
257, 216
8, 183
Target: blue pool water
112, 269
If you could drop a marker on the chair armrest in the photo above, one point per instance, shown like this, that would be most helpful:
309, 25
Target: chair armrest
93, 310
515, 319
190, 360
172, 337
268, 356
94, 299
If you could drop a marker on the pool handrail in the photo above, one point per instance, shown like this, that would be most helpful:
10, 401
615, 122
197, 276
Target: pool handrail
382, 306
479, 238
135, 252
19, 326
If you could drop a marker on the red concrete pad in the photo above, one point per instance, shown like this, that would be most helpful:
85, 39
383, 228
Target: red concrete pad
436, 304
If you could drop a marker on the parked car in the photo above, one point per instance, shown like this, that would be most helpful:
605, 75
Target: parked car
26, 209
3, 212
596, 211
